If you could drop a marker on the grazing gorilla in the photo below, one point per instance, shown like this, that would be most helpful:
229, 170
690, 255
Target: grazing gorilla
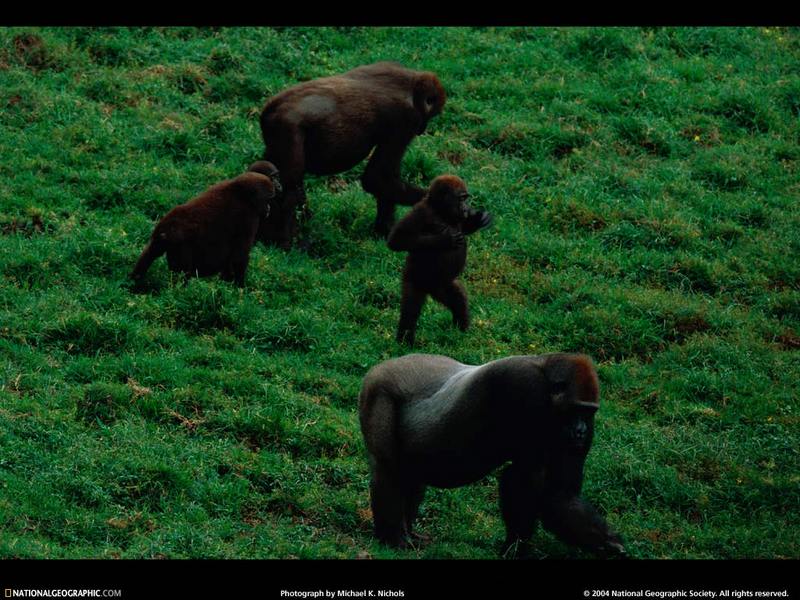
433, 235
329, 125
214, 232
429, 420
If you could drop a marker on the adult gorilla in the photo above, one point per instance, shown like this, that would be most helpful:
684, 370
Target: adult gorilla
429, 420
329, 125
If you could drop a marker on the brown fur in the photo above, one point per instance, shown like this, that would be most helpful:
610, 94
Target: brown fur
586, 384
212, 233
433, 235
329, 125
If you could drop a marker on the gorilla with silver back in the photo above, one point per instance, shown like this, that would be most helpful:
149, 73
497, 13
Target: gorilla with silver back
430, 420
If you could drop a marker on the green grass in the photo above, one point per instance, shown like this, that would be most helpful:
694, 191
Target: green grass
645, 190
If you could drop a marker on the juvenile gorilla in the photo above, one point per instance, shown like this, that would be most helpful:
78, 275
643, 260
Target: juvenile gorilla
214, 232
429, 420
433, 235
329, 125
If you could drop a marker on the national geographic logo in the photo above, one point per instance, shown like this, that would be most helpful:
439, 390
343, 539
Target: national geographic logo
61, 593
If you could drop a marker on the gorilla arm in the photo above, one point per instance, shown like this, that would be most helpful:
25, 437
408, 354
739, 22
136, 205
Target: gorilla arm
421, 229
475, 220
564, 513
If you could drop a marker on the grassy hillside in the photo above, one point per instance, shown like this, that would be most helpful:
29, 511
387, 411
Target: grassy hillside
645, 191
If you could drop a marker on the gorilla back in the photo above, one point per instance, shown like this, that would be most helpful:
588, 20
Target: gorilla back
430, 420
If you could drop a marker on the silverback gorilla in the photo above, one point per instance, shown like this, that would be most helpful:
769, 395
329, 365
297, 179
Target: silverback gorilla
214, 232
433, 235
429, 420
329, 125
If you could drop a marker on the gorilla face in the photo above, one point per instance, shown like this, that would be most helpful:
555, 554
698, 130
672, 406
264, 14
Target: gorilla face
578, 432
575, 429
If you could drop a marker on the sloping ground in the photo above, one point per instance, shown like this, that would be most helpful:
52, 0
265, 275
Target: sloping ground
645, 189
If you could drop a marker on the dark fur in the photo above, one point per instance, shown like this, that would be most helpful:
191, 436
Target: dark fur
214, 232
270, 170
429, 420
329, 125
433, 235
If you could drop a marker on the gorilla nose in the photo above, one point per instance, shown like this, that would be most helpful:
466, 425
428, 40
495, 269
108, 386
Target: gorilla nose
577, 432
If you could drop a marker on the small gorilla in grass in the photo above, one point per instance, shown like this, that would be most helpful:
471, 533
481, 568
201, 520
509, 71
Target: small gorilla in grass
214, 232
429, 420
433, 235
331, 124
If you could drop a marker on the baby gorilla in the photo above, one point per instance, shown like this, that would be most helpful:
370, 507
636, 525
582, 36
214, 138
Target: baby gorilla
429, 420
433, 235
214, 232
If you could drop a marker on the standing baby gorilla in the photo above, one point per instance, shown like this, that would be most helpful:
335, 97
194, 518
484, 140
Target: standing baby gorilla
329, 125
429, 420
214, 232
433, 235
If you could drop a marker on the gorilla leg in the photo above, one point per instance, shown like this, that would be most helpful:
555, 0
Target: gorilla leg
387, 503
294, 197
384, 217
270, 229
413, 494
226, 274
235, 270
287, 153
387, 494
180, 258
519, 503
240, 258
381, 178
454, 297
410, 308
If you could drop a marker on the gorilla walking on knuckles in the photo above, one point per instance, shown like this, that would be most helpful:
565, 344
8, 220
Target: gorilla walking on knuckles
433, 235
214, 232
429, 420
331, 124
